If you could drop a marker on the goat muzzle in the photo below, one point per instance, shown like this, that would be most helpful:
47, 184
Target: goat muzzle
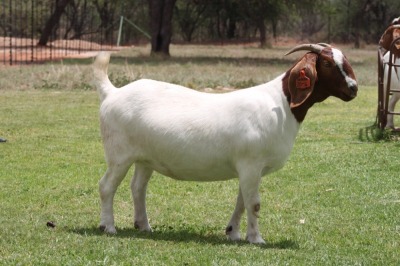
353, 89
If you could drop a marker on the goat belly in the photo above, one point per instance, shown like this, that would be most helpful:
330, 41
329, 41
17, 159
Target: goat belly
187, 155
193, 167
211, 171
211, 160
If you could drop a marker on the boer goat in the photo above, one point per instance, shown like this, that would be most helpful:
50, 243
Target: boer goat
196, 136
391, 33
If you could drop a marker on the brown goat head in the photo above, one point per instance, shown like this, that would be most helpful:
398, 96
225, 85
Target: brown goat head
329, 74
391, 33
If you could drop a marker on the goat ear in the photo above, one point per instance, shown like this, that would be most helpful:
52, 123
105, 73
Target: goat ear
302, 78
387, 38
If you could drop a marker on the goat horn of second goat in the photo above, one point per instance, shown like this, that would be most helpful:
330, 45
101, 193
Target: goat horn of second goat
316, 48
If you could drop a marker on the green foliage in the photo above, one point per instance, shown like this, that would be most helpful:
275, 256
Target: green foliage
49, 85
204, 21
119, 80
241, 84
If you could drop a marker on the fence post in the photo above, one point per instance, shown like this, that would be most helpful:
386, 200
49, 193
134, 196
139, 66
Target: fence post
121, 22
32, 30
139, 29
11, 35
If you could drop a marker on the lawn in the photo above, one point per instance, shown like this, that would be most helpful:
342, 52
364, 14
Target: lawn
336, 202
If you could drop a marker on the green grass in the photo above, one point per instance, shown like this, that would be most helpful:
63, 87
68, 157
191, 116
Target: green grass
336, 202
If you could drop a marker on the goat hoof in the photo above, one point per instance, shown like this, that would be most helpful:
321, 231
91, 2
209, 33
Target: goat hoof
255, 240
145, 228
108, 229
232, 235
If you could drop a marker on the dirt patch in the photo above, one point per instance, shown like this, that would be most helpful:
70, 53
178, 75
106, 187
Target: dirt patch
26, 50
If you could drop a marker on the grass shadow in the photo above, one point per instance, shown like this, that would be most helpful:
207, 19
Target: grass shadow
370, 134
374, 134
182, 234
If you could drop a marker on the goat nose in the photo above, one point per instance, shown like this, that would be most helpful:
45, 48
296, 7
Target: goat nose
354, 88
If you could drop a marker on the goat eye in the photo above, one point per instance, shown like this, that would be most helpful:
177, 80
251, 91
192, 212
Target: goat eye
326, 63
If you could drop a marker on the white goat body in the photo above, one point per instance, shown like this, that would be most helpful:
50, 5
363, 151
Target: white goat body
190, 135
394, 85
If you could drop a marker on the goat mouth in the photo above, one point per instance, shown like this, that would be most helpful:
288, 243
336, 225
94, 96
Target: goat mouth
347, 98
353, 91
349, 95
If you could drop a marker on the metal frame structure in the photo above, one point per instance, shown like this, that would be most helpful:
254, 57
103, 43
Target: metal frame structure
383, 98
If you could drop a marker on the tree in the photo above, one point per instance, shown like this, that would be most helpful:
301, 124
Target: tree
53, 21
189, 15
260, 12
360, 21
310, 16
106, 10
77, 15
161, 25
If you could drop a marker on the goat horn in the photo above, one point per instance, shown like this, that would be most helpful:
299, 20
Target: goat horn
324, 44
316, 48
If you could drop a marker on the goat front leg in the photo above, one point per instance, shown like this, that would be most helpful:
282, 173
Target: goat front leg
249, 185
233, 228
139, 183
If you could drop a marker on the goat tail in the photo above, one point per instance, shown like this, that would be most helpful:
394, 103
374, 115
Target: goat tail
101, 80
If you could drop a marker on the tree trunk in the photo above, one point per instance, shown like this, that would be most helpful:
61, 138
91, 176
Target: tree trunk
161, 25
52, 21
274, 23
263, 33
357, 22
230, 34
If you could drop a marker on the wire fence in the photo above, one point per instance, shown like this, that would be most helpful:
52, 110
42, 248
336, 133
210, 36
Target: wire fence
79, 30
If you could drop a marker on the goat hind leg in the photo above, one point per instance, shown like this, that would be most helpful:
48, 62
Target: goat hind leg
233, 228
139, 183
249, 185
107, 187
